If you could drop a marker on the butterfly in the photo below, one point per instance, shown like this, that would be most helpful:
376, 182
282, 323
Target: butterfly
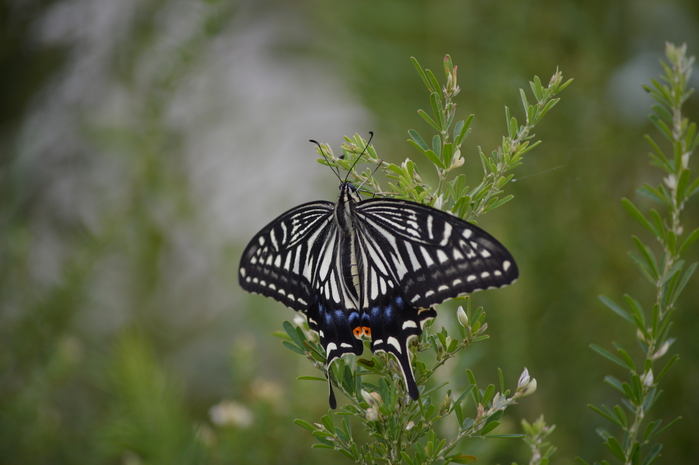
371, 268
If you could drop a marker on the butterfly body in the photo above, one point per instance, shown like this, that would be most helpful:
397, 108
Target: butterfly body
371, 268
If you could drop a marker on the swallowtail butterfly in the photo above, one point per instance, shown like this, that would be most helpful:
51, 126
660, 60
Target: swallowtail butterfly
371, 268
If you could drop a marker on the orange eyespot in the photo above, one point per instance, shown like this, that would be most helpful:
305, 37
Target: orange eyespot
360, 331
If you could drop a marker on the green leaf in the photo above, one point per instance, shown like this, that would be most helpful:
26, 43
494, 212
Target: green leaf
682, 183
462, 458
616, 449
625, 355
683, 282
615, 383
429, 120
293, 333
293, 348
619, 413
328, 422
312, 378
489, 427
606, 414
488, 394
435, 84
667, 366
448, 154
608, 355
437, 146
615, 308
694, 187
525, 102
653, 454
436, 104
661, 126
636, 311
651, 264
693, 236
305, 424
501, 202
421, 144
651, 193
638, 216
323, 446
656, 433
422, 74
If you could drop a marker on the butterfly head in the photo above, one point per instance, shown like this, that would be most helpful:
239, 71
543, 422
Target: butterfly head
348, 193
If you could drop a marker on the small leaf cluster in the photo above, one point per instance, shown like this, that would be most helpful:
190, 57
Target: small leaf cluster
663, 268
535, 435
403, 430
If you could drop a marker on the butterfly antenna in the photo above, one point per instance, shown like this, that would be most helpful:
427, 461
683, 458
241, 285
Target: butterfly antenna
370, 176
322, 152
371, 136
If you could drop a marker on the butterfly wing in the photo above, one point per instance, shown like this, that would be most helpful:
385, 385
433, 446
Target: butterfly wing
279, 263
413, 257
296, 259
432, 256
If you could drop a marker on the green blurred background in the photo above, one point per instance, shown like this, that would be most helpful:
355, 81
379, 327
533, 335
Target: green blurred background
143, 142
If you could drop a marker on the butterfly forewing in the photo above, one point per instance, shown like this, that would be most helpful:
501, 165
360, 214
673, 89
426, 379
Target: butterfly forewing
433, 256
282, 259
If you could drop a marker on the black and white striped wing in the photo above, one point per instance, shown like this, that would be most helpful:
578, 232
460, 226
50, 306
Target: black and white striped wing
413, 257
430, 255
279, 262
297, 260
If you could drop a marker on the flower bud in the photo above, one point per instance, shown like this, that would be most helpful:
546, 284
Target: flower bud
648, 379
530, 388
371, 398
524, 379
462, 317
439, 202
662, 351
372, 414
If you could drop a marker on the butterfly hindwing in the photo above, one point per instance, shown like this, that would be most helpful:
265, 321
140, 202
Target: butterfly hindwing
393, 322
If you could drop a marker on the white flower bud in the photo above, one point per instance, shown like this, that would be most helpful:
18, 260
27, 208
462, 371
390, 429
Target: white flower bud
662, 351
438, 203
648, 379
530, 388
372, 414
671, 181
524, 379
367, 397
462, 317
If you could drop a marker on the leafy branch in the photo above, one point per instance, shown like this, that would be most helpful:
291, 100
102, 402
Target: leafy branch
403, 431
665, 270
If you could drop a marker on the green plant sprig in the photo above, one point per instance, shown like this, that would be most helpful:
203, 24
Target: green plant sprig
666, 273
403, 431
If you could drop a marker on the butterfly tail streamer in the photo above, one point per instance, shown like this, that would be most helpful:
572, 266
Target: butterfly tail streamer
393, 324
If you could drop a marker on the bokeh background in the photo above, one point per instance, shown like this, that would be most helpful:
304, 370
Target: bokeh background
143, 142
